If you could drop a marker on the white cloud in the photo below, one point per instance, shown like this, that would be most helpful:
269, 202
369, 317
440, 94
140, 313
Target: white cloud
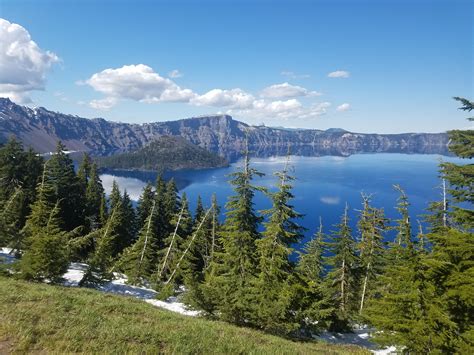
339, 74
235, 98
104, 104
136, 82
175, 74
141, 83
293, 75
23, 65
343, 107
286, 90
284, 110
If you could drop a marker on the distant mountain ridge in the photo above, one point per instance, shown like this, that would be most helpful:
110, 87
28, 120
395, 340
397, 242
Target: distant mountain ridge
41, 129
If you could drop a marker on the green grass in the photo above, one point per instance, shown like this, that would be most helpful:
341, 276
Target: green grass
51, 319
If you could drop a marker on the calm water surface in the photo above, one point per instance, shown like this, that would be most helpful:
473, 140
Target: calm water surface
323, 184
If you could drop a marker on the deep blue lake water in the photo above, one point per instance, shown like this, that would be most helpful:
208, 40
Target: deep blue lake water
323, 184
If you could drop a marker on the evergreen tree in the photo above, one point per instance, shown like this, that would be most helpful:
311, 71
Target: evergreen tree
236, 267
145, 204
137, 261
461, 176
273, 286
342, 279
175, 243
101, 261
129, 222
19, 175
371, 225
314, 305
408, 312
402, 247
47, 256
67, 188
84, 171
95, 197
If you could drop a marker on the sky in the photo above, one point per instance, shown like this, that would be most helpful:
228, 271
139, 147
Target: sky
385, 66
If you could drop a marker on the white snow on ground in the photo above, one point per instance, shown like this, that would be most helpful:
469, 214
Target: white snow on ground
360, 337
119, 286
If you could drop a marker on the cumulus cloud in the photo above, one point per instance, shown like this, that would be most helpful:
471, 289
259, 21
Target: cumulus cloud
293, 75
286, 90
282, 109
235, 98
175, 74
141, 83
136, 82
343, 107
23, 65
339, 74
104, 104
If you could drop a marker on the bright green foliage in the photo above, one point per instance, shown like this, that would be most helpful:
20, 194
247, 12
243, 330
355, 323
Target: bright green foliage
19, 175
402, 246
272, 288
84, 171
342, 278
102, 259
461, 176
125, 219
236, 266
408, 312
372, 225
95, 198
137, 261
145, 204
47, 256
311, 261
67, 188
175, 243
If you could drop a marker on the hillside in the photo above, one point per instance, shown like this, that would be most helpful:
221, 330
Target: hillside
42, 318
41, 129
165, 153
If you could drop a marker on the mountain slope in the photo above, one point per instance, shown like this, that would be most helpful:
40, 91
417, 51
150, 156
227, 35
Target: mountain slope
41, 129
165, 153
40, 318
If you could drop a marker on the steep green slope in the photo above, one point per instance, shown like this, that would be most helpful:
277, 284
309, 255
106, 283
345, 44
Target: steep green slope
43, 318
165, 153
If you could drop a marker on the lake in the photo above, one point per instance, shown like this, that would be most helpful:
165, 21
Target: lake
323, 184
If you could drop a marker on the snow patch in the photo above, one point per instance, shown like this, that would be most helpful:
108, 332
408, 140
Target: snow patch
6, 256
360, 337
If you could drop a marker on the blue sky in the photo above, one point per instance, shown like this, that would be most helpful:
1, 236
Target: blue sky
395, 64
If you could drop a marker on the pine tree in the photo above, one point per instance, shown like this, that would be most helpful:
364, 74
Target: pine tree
137, 261
101, 261
342, 279
47, 256
461, 176
175, 243
129, 222
372, 225
402, 247
273, 286
94, 198
314, 305
145, 204
236, 267
67, 188
408, 312
19, 175
84, 171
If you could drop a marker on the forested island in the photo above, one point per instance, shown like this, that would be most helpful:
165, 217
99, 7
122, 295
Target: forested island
164, 154
415, 290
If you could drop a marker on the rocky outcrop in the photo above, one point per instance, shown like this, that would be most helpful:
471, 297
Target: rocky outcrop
41, 129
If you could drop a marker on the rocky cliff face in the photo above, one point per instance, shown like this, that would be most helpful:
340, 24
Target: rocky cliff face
41, 129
